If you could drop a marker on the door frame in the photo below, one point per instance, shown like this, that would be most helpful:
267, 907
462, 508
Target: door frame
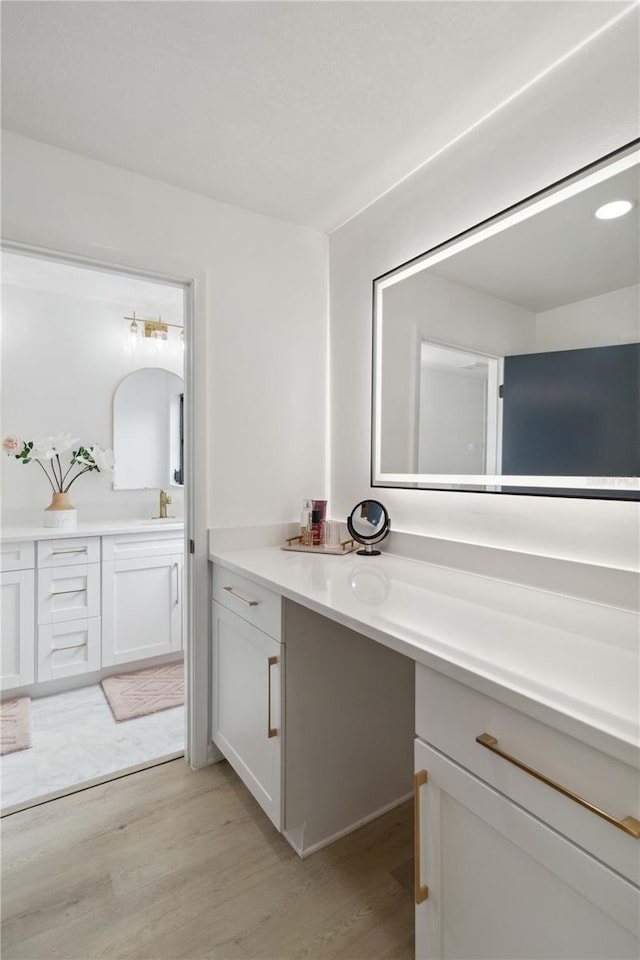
196, 619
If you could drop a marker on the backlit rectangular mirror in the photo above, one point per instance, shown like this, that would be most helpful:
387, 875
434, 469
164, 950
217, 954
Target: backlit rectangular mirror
507, 360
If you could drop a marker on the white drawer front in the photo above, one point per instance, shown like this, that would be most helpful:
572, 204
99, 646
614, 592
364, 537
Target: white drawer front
450, 716
70, 593
69, 648
251, 601
136, 546
68, 551
17, 556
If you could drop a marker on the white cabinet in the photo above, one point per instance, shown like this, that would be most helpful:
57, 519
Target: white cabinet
527, 839
495, 882
142, 598
17, 606
68, 607
248, 675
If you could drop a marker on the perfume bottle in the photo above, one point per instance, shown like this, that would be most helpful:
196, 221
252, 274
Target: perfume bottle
318, 516
305, 523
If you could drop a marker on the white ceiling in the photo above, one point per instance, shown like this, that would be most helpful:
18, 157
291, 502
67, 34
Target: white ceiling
560, 256
146, 297
306, 111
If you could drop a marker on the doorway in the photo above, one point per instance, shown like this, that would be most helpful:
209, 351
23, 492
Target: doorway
458, 411
99, 607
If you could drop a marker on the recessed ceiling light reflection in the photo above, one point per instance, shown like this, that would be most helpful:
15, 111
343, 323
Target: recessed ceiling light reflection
617, 208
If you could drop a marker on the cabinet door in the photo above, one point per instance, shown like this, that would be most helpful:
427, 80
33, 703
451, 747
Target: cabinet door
247, 695
18, 637
142, 608
498, 883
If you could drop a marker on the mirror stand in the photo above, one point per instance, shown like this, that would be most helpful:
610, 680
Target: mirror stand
368, 551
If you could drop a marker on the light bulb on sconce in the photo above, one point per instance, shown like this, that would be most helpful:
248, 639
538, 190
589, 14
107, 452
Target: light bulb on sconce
133, 332
154, 332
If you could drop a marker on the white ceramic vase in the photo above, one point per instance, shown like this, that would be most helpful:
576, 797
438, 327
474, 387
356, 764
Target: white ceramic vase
60, 513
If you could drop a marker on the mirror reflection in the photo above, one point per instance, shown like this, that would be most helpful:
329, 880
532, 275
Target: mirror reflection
509, 359
368, 523
148, 432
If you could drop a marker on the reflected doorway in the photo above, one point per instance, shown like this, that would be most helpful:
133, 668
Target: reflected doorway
457, 422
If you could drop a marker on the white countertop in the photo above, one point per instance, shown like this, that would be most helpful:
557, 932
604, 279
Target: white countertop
89, 528
570, 663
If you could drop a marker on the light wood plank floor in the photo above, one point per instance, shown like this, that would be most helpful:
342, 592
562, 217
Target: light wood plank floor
171, 862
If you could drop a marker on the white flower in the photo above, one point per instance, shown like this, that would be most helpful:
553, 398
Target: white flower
44, 448
13, 446
99, 457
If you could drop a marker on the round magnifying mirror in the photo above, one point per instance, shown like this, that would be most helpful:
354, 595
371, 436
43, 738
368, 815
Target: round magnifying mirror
368, 523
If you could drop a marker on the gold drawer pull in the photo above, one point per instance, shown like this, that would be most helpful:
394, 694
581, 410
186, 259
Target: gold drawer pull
271, 731
421, 891
60, 593
70, 646
630, 825
249, 603
58, 553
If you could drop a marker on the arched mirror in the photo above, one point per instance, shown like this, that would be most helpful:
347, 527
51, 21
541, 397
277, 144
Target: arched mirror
368, 523
148, 431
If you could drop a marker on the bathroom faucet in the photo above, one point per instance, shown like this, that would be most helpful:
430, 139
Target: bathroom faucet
165, 500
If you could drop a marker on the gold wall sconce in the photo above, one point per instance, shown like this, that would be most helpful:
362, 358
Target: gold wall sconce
155, 331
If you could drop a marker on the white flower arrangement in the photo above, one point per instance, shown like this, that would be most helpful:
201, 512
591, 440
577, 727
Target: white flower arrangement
48, 450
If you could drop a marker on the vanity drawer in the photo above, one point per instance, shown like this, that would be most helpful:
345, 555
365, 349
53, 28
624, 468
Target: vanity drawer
450, 715
251, 601
71, 593
68, 551
17, 556
137, 546
68, 649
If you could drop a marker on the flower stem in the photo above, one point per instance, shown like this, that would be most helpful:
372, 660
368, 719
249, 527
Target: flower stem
59, 472
73, 479
47, 476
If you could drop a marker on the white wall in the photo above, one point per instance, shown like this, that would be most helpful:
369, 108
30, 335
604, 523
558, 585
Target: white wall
585, 108
428, 307
62, 359
260, 313
453, 431
257, 353
580, 324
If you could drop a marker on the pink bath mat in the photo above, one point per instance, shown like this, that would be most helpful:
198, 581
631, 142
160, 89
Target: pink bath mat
15, 725
145, 691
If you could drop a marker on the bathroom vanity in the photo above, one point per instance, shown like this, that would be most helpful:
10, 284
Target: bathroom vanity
342, 685
80, 603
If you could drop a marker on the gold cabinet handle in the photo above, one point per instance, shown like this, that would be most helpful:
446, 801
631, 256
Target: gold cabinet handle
176, 567
249, 603
629, 825
70, 646
271, 731
421, 890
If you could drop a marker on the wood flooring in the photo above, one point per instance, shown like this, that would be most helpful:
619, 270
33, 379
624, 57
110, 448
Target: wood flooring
176, 863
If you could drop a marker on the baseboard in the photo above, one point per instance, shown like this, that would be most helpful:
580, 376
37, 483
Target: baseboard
304, 853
